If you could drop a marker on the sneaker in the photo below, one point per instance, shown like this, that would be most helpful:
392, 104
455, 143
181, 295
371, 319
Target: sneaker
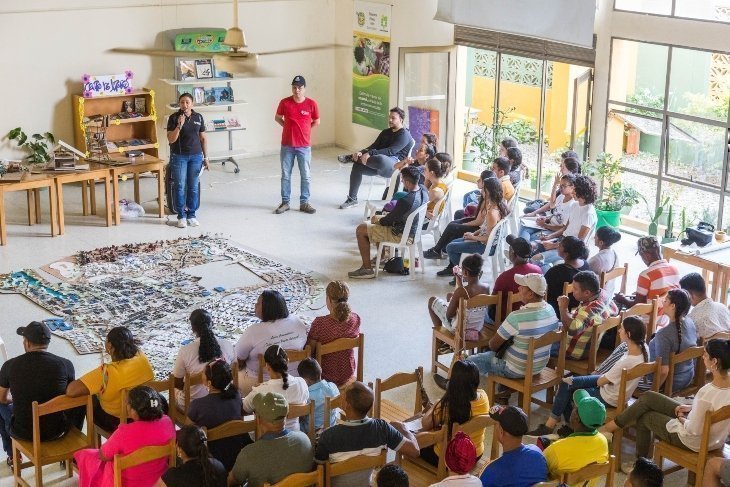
433, 254
182, 223
284, 206
441, 381
345, 158
193, 222
452, 282
446, 271
362, 273
565, 431
349, 203
307, 208
541, 430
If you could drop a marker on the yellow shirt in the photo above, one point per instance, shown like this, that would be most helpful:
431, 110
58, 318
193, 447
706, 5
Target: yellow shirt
575, 452
432, 204
108, 380
479, 406
508, 191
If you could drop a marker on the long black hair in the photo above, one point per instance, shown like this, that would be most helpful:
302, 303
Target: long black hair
273, 306
680, 299
122, 341
194, 443
218, 372
495, 196
635, 329
276, 358
202, 322
455, 405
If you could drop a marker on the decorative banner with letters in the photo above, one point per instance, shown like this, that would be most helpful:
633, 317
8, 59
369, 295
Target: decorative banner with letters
371, 64
112, 84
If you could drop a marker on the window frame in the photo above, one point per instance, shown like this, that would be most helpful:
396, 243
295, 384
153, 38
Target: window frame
669, 16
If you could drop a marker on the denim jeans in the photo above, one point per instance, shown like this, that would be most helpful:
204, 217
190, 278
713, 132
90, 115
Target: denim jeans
528, 233
549, 258
460, 246
472, 197
303, 156
563, 403
488, 363
6, 414
185, 183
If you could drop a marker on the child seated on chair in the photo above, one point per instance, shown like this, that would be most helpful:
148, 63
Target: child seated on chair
460, 458
467, 285
319, 389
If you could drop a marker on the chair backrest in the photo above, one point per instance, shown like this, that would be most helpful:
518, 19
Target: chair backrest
190, 381
55, 405
392, 186
691, 353
301, 410
432, 438
395, 381
478, 301
649, 310
3, 351
567, 288
592, 471
435, 221
621, 272
720, 335
712, 417
419, 215
332, 403
546, 340
292, 355
636, 372
497, 235
354, 464
477, 423
235, 427
315, 478
512, 298
143, 455
596, 333
340, 345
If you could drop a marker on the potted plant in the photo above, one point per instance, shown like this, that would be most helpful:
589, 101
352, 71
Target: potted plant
614, 195
657, 214
40, 146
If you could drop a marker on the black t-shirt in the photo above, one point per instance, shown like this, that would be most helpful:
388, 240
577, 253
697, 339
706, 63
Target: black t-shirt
36, 376
188, 141
190, 474
556, 277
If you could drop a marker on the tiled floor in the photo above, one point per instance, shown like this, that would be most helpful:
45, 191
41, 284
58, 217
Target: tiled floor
393, 308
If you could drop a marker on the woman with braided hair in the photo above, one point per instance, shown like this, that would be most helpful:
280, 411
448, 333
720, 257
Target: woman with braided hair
193, 357
294, 389
604, 387
341, 322
149, 427
198, 468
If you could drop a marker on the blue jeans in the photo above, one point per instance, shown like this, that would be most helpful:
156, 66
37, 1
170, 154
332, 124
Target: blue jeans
549, 258
6, 414
471, 197
488, 363
185, 183
563, 403
460, 246
303, 155
529, 234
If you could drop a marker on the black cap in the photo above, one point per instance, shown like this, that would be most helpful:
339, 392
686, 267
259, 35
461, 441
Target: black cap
512, 419
299, 81
36, 332
520, 246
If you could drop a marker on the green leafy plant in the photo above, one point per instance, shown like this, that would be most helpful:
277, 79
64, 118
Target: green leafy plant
656, 214
40, 146
669, 231
522, 130
614, 195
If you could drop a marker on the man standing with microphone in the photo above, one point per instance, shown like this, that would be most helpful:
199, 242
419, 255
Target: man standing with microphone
297, 114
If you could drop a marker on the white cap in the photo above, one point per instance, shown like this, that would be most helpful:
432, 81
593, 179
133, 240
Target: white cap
536, 282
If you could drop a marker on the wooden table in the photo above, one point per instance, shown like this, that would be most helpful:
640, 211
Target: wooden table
30, 183
140, 165
715, 267
89, 176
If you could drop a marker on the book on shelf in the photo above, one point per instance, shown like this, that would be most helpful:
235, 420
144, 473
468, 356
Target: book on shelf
140, 104
219, 95
192, 69
186, 69
204, 68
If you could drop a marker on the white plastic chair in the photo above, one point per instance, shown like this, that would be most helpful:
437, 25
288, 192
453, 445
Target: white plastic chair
418, 215
434, 224
497, 235
514, 211
3, 351
372, 206
385, 180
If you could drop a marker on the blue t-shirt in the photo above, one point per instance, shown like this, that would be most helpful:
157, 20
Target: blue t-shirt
521, 467
665, 343
318, 392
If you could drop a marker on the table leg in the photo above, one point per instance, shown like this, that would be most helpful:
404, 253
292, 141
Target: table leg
107, 201
92, 196
31, 207
3, 230
136, 188
53, 197
161, 192
84, 198
724, 284
115, 201
59, 198
37, 194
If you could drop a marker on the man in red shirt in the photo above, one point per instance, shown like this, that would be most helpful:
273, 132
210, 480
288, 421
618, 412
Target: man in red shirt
297, 114
519, 255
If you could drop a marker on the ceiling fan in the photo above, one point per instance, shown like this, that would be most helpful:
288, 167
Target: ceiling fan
237, 60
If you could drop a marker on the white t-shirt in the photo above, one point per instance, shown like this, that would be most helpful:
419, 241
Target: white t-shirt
562, 210
581, 216
708, 398
187, 362
296, 393
604, 261
710, 318
289, 332
610, 391
466, 480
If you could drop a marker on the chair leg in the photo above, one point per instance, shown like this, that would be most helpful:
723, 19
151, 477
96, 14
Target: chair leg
618, 437
377, 259
696, 478
526, 404
38, 474
412, 261
434, 354
17, 459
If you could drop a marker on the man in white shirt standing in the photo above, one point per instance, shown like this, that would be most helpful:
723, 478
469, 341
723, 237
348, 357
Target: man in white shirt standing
709, 317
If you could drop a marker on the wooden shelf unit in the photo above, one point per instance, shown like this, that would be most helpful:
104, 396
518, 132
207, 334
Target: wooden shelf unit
121, 128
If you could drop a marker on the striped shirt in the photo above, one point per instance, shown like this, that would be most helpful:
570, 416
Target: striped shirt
655, 281
588, 315
532, 320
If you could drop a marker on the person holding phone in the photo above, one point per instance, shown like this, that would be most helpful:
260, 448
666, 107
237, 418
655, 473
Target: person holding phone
188, 158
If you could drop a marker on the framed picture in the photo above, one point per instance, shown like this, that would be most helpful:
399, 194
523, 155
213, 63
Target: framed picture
219, 73
204, 68
186, 69
219, 95
140, 104
199, 95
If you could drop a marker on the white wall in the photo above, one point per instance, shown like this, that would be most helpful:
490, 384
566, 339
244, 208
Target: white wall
412, 26
47, 52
